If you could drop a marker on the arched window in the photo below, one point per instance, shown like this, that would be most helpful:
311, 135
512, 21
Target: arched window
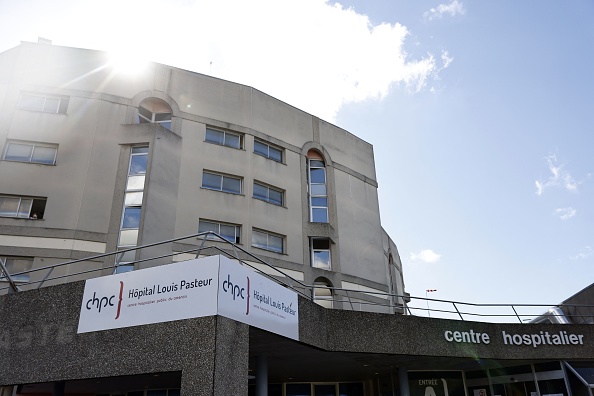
317, 187
155, 111
323, 294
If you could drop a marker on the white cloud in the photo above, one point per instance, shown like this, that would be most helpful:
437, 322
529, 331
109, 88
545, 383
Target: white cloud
313, 54
452, 9
558, 178
565, 213
426, 256
446, 58
583, 254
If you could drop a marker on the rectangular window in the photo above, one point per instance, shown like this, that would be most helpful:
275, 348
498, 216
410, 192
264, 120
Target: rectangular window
271, 195
320, 253
225, 183
224, 138
268, 151
38, 153
15, 265
22, 207
267, 241
55, 104
230, 232
318, 198
138, 161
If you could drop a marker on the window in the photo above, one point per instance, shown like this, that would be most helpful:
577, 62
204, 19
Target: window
214, 181
22, 207
320, 253
224, 138
31, 152
323, 293
269, 194
268, 151
267, 241
15, 265
230, 232
132, 210
155, 111
54, 104
318, 196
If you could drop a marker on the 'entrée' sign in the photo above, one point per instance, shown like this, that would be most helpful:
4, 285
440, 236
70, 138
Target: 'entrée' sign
533, 339
208, 286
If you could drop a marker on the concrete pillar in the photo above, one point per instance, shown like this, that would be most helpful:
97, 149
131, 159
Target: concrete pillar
261, 376
222, 370
403, 381
231, 357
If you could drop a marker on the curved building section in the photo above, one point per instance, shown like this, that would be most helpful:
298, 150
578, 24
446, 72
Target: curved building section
95, 160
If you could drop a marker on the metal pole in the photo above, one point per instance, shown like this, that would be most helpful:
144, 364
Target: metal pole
427, 300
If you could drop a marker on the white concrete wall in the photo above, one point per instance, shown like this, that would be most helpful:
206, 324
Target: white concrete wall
85, 192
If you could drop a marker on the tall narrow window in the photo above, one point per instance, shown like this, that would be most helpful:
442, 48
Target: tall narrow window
320, 253
132, 210
317, 189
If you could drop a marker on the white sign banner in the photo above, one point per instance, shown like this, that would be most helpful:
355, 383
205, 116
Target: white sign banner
258, 301
183, 290
208, 286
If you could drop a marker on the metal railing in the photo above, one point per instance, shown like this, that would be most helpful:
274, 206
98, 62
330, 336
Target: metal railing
458, 310
342, 298
209, 236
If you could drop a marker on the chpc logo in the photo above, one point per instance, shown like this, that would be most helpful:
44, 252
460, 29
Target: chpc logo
237, 291
102, 303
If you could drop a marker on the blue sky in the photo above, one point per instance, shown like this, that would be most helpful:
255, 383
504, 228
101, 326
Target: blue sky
459, 163
480, 113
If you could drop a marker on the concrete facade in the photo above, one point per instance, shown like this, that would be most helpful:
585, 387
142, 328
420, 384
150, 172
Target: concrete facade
40, 347
98, 124
96, 127
89, 201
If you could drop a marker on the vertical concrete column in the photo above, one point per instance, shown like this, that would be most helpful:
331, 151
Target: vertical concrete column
261, 376
403, 381
161, 188
231, 357
221, 368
